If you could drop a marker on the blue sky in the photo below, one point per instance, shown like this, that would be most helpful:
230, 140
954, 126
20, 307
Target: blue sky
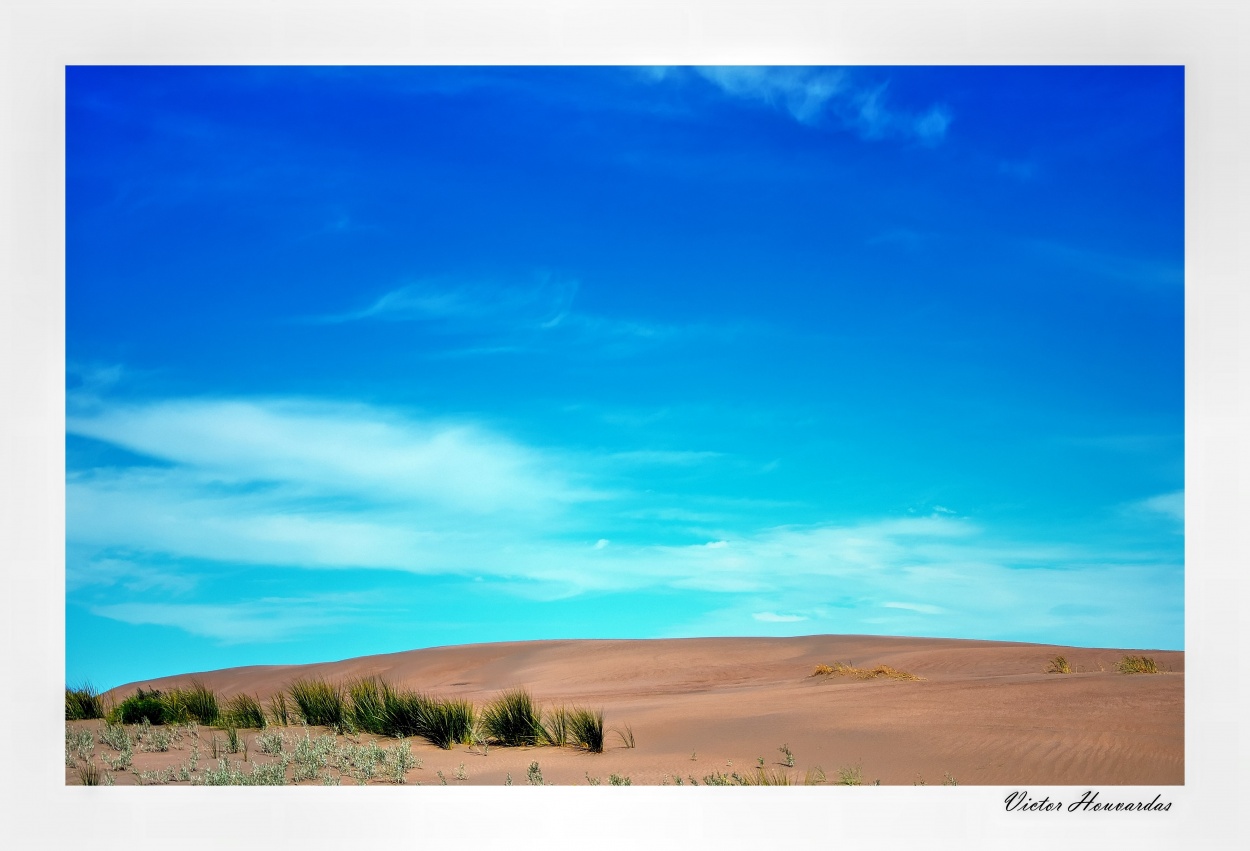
363, 360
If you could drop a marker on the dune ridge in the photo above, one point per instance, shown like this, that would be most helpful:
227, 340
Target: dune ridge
983, 712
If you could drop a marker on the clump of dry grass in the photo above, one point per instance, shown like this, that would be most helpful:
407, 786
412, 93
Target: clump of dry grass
844, 669
1059, 665
1137, 665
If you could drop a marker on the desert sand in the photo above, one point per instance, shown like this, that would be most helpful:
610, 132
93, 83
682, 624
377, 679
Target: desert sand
984, 712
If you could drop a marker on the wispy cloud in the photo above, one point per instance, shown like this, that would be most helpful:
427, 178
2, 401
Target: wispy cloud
315, 448
815, 96
1168, 504
329, 486
266, 621
491, 318
542, 303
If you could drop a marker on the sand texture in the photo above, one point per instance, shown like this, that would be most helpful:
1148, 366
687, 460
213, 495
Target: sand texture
983, 713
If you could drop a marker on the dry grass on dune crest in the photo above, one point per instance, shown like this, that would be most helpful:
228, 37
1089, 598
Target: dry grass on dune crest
844, 669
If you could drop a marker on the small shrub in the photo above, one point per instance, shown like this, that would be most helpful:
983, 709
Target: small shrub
234, 742
534, 774
788, 754
155, 739
78, 743
83, 703
243, 710
948, 779
513, 719
271, 742
116, 737
141, 705
618, 780
268, 774
1059, 665
157, 777
1137, 665
320, 703
586, 728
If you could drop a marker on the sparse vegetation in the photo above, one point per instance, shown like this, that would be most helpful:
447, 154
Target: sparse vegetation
626, 733
788, 754
850, 775
1059, 665
618, 780
845, 669
1137, 665
89, 774
534, 774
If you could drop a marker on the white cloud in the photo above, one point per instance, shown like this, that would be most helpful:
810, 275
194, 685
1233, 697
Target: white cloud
772, 617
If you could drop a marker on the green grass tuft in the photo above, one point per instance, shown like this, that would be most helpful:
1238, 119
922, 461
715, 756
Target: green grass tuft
196, 702
280, 710
405, 713
448, 722
513, 719
556, 727
243, 710
368, 704
586, 728
83, 703
320, 703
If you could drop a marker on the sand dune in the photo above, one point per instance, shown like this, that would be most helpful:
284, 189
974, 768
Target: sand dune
984, 712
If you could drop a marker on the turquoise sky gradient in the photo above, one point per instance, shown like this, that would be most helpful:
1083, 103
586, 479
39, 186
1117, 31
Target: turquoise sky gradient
363, 360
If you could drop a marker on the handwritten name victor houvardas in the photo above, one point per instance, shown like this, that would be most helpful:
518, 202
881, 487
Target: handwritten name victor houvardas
1020, 801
